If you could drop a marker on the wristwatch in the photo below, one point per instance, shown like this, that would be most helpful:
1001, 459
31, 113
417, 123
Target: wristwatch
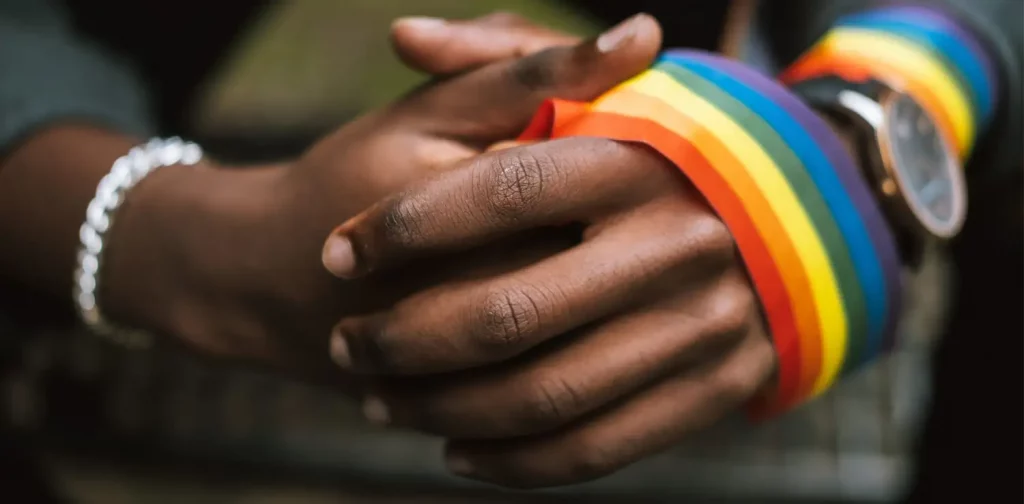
913, 168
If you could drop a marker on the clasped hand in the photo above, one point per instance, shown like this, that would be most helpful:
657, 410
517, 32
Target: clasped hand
640, 328
556, 310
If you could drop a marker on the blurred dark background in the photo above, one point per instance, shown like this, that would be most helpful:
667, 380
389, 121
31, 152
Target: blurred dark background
113, 426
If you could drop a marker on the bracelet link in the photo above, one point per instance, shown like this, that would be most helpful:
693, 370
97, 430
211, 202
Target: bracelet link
127, 171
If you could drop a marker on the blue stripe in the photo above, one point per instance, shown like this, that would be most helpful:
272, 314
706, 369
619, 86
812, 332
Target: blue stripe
956, 54
821, 171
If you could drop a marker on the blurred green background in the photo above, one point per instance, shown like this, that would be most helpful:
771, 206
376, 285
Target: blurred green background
296, 67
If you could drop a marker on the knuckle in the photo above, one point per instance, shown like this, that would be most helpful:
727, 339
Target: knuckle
705, 241
516, 183
508, 317
733, 308
540, 70
736, 384
551, 401
402, 224
712, 237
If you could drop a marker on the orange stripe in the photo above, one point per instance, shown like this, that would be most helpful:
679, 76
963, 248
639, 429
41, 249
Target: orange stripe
729, 206
631, 103
796, 287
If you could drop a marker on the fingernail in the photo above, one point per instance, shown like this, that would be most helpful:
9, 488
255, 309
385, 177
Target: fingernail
618, 35
376, 411
338, 256
339, 350
458, 464
420, 23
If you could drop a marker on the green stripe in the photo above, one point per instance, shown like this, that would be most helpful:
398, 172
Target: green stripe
806, 191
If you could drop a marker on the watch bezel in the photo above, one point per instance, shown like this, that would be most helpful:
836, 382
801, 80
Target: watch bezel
892, 182
867, 105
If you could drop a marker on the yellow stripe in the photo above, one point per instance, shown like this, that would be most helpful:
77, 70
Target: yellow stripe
783, 200
913, 61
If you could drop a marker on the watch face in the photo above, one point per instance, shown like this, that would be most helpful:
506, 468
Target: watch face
925, 168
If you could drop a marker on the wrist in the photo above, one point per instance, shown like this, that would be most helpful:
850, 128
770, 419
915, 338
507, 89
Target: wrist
183, 248
46, 182
922, 51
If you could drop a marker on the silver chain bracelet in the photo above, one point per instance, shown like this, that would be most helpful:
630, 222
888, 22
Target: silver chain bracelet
124, 174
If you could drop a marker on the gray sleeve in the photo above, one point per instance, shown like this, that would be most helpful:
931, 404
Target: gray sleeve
786, 28
47, 74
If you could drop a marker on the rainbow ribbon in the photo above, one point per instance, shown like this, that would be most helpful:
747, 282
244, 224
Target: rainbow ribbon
920, 50
807, 227
819, 252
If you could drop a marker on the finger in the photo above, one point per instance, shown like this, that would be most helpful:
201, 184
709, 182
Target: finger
591, 371
497, 101
639, 426
440, 47
463, 326
507, 144
495, 194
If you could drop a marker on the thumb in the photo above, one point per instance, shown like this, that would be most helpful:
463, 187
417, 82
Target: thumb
441, 47
497, 101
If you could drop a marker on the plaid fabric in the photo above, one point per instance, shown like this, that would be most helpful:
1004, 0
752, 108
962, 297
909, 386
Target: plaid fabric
852, 444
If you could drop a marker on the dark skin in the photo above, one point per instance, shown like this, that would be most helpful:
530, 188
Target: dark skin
527, 302
575, 365
227, 261
572, 366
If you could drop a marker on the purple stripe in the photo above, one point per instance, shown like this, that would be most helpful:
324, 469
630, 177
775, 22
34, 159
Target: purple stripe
838, 156
955, 28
